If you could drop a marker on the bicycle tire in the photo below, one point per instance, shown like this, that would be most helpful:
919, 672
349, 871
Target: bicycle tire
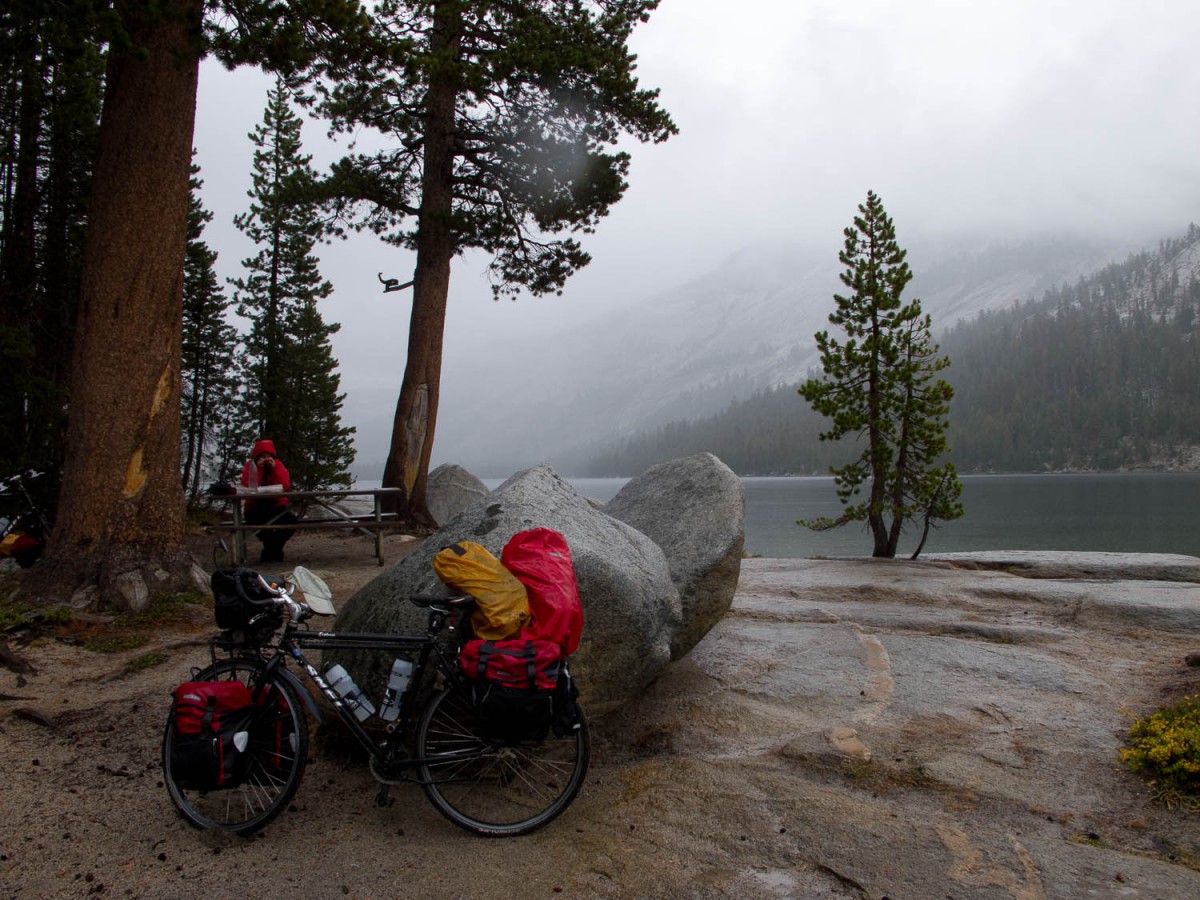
496, 790
274, 769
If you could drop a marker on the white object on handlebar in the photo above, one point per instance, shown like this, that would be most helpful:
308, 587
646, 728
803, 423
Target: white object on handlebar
316, 592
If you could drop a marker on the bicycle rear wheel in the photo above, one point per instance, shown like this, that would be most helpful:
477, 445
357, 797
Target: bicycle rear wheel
490, 789
277, 753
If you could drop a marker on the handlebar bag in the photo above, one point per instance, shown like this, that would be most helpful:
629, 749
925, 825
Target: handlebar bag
501, 605
235, 592
541, 560
211, 738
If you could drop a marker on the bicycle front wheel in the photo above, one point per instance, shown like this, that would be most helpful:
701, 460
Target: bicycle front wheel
277, 752
495, 790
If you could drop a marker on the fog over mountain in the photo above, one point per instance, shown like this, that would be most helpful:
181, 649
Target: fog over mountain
988, 120
745, 325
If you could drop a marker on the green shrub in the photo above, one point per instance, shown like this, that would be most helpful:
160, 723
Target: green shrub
14, 614
1165, 749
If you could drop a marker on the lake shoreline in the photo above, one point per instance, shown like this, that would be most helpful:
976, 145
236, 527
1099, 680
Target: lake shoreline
1122, 512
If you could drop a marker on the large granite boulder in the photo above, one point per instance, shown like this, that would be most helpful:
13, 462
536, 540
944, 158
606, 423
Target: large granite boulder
695, 510
631, 607
449, 490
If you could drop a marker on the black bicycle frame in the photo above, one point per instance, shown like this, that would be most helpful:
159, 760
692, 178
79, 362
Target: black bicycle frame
429, 653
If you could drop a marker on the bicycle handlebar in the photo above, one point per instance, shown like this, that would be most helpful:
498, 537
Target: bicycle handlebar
279, 595
19, 478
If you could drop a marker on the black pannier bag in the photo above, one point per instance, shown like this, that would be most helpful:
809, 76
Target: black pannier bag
515, 685
511, 715
211, 737
234, 591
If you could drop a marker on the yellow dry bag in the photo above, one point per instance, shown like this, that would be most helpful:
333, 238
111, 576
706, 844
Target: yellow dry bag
501, 604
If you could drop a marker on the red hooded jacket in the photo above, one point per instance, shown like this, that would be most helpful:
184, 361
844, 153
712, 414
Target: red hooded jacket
270, 471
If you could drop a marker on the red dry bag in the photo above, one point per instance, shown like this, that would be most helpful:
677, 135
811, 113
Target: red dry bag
541, 560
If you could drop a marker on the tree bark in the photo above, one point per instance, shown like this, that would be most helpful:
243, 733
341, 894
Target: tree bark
121, 510
407, 464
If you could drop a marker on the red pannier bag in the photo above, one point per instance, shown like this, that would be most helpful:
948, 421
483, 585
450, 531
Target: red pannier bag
275, 723
541, 560
518, 663
212, 720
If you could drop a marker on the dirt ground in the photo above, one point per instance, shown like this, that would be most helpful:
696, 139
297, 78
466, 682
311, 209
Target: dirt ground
731, 778
345, 561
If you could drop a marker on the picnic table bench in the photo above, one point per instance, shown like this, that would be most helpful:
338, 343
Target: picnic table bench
333, 518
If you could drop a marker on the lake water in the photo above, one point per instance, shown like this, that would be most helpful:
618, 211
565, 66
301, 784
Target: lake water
1137, 512
1119, 512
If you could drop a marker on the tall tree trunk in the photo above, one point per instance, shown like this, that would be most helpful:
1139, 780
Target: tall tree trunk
878, 451
900, 479
120, 514
416, 411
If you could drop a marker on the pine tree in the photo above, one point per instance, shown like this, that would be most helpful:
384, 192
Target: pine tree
320, 449
289, 358
501, 118
210, 368
880, 383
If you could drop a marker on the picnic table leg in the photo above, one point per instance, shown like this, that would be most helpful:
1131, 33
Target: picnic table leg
239, 536
378, 533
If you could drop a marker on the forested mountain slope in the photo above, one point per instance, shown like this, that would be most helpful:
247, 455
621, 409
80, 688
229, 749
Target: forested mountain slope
1098, 374
745, 327
1103, 373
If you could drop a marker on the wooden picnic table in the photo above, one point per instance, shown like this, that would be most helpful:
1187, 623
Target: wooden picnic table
372, 525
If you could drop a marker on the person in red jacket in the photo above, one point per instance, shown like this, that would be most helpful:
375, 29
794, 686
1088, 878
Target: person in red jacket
264, 469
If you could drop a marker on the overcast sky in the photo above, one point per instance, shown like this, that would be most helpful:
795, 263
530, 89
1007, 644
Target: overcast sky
981, 116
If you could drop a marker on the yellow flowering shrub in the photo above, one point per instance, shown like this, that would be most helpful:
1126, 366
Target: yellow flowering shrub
1165, 747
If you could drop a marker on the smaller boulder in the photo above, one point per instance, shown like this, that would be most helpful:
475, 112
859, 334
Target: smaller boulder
694, 508
449, 490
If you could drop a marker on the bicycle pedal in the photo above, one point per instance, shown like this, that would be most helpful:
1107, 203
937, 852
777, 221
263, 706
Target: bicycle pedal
382, 799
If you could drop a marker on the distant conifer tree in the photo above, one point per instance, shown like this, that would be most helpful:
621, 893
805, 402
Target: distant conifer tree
289, 358
881, 384
320, 449
209, 364
50, 79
